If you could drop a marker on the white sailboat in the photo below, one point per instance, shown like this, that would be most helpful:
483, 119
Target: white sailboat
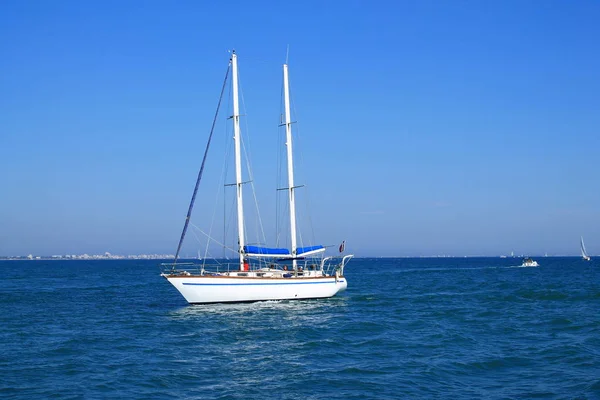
584, 254
262, 273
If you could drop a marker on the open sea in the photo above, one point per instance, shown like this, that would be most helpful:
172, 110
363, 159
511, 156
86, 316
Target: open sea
406, 328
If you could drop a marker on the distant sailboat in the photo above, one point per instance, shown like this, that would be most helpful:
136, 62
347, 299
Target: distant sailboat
583, 252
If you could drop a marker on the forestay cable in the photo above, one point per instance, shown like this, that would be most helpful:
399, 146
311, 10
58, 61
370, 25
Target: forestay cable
189, 213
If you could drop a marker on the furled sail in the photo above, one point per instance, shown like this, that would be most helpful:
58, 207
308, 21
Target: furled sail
266, 251
306, 251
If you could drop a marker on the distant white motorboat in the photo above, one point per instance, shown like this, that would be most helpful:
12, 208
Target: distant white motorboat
584, 254
528, 262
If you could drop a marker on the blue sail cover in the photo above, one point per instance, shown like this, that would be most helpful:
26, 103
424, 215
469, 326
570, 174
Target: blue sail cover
302, 250
265, 250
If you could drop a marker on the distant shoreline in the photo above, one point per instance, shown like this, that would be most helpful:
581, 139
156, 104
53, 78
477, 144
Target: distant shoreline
171, 257
89, 258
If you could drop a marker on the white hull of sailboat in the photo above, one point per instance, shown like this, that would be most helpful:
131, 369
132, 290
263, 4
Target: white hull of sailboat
218, 289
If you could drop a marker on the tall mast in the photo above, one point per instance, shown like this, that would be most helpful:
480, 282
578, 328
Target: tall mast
238, 160
290, 162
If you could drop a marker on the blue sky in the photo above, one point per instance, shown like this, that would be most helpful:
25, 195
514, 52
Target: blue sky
427, 127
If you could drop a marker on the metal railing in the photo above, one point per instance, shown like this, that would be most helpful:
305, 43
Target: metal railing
328, 266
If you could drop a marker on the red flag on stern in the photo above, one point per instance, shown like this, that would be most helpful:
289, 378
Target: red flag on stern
342, 246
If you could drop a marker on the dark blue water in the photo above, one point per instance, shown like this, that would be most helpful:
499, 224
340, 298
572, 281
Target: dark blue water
454, 328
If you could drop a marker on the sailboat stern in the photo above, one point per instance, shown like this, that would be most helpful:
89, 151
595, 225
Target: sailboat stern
342, 284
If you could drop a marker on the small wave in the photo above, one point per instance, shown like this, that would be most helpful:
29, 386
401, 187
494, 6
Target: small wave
542, 295
497, 363
448, 269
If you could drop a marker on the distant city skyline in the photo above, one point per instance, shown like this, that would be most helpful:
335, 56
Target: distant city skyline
187, 257
85, 256
426, 128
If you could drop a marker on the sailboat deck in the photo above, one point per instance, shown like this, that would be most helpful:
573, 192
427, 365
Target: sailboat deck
262, 273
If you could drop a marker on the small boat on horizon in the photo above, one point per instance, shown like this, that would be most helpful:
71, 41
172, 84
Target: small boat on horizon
528, 262
584, 253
